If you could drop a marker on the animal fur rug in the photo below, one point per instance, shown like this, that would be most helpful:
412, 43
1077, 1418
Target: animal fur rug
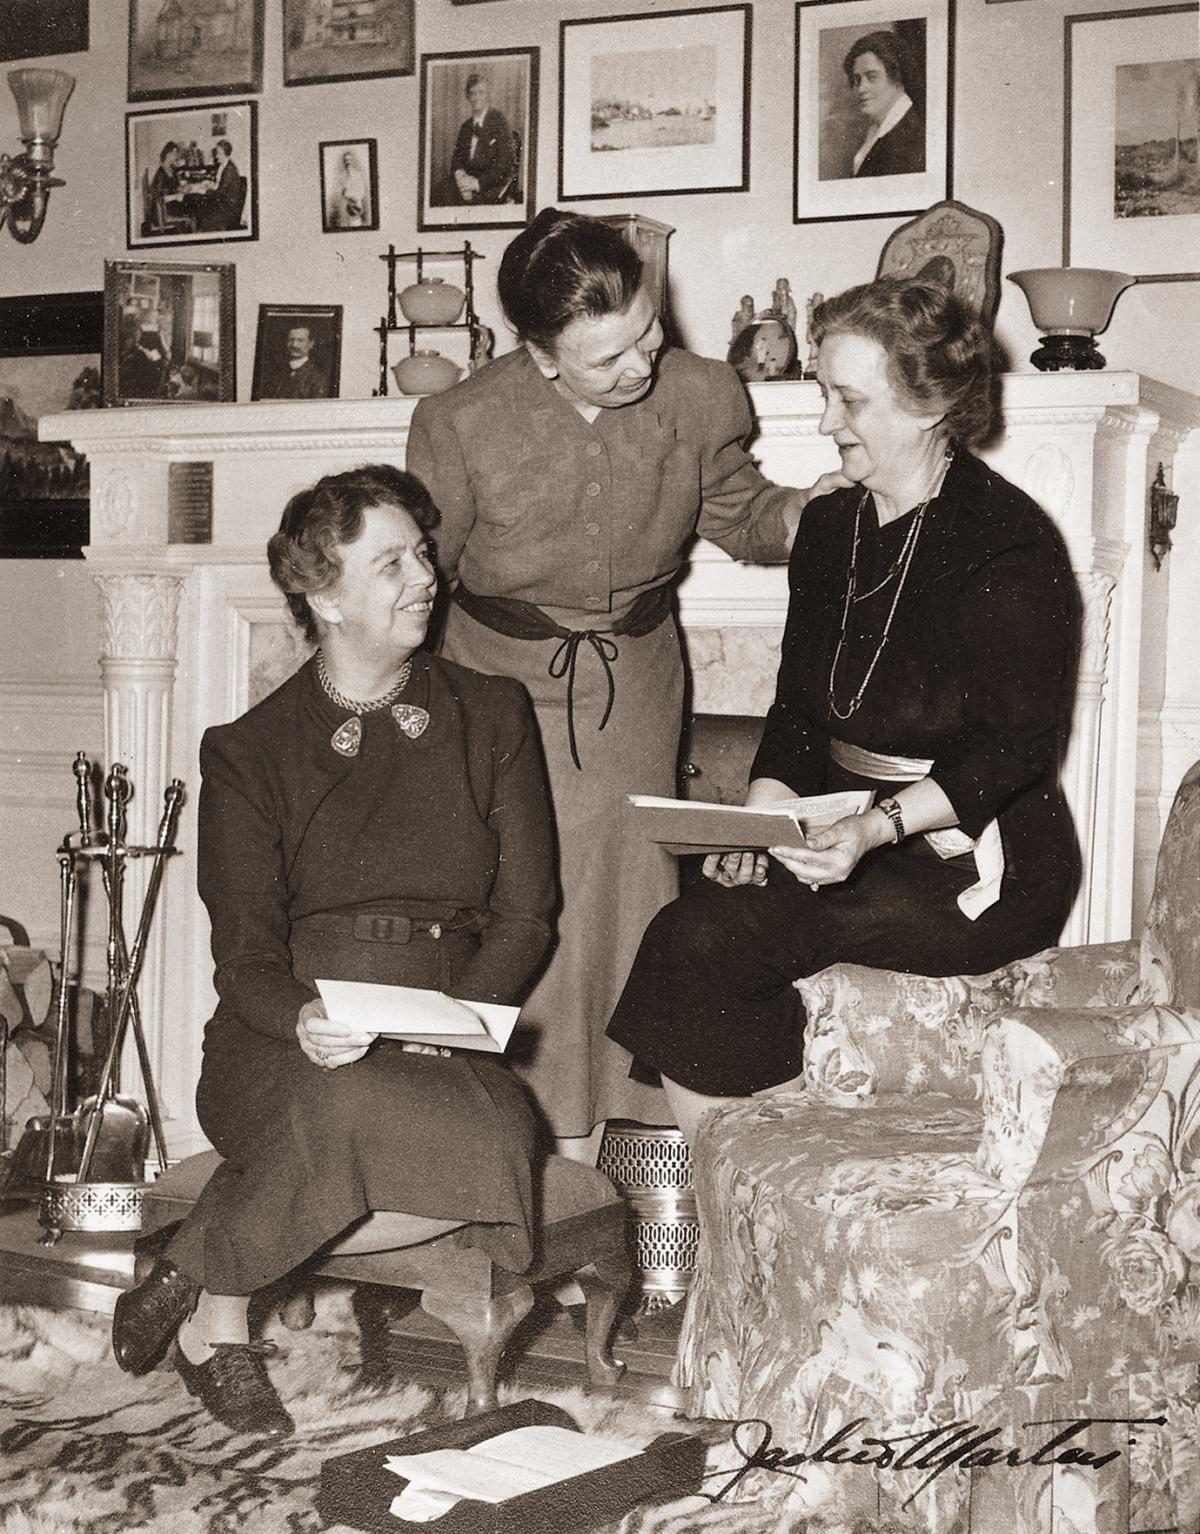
85, 1449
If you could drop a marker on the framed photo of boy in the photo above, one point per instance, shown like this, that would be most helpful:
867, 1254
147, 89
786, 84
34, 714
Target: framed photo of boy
874, 108
191, 175
1131, 174
194, 50
297, 351
169, 333
655, 104
353, 40
478, 146
349, 185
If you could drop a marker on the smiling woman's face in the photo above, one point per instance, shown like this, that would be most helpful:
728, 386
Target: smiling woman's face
382, 601
880, 439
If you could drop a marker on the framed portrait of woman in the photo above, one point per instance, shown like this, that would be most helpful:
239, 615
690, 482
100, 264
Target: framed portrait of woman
349, 185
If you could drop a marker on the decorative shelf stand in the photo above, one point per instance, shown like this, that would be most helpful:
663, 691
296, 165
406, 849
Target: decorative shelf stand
393, 322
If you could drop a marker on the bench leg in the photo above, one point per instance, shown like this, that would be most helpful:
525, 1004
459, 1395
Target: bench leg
604, 1284
483, 1326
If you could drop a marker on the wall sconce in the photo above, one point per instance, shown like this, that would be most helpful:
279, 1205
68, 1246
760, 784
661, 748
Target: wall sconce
1164, 507
25, 180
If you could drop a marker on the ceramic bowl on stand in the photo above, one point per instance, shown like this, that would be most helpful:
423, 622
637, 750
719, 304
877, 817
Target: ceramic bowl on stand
432, 302
426, 372
1070, 305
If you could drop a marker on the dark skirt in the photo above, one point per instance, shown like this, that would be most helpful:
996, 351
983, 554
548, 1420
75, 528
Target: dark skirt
711, 1001
309, 1152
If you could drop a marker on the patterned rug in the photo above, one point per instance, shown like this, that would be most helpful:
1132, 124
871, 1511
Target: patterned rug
85, 1449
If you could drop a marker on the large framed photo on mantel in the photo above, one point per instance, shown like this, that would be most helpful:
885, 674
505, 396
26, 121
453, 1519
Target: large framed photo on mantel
1131, 175
50, 348
655, 104
178, 49
169, 333
874, 107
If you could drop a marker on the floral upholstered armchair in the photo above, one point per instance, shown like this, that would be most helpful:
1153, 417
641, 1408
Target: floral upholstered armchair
983, 1209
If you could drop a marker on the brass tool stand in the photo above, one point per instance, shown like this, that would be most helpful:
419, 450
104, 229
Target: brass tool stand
95, 1181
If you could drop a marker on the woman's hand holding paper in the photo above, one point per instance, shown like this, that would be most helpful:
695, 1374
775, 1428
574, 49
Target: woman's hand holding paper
328, 1043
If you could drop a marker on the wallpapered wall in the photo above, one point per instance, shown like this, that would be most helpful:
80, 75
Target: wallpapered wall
1007, 158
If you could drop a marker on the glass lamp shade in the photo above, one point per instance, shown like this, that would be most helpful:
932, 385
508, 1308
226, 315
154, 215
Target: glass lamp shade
1071, 300
41, 96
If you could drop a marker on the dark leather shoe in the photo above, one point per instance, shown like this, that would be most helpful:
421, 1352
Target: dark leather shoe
234, 1386
148, 1316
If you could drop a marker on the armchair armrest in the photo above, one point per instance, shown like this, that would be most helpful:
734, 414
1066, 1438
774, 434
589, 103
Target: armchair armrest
1063, 1087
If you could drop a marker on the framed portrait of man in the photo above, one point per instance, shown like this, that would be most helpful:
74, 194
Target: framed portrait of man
298, 351
478, 149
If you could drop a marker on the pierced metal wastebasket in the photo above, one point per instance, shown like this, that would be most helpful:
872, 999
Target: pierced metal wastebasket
651, 1166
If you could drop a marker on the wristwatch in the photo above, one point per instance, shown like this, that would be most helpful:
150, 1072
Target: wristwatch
895, 814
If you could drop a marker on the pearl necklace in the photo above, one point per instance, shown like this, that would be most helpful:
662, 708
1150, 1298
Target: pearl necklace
902, 564
353, 705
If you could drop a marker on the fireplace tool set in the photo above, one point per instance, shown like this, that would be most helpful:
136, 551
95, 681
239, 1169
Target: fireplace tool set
95, 1156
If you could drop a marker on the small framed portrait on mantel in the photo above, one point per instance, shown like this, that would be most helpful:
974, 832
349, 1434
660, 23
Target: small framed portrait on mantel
873, 107
349, 185
298, 351
192, 175
478, 151
169, 333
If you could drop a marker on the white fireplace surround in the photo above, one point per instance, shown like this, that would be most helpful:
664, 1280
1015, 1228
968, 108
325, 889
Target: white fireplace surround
192, 632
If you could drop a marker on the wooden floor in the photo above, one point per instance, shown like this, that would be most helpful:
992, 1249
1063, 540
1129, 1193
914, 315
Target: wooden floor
86, 1271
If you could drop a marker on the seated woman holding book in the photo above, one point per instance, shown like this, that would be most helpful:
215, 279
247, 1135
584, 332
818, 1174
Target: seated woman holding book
926, 657
382, 816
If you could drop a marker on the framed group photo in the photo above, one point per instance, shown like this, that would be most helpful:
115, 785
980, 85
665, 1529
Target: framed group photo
192, 175
478, 141
297, 351
169, 333
651, 105
349, 185
50, 350
1131, 179
190, 50
354, 40
874, 107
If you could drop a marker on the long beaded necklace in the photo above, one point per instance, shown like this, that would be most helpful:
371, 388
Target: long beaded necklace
353, 705
901, 566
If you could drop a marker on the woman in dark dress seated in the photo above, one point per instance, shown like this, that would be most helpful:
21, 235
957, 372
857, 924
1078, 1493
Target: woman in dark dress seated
927, 654
382, 816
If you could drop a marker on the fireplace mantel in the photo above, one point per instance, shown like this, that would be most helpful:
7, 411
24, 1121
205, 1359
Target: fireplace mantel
195, 631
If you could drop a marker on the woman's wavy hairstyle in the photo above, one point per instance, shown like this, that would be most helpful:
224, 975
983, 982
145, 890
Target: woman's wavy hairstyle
941, 357
565, 267
302, 554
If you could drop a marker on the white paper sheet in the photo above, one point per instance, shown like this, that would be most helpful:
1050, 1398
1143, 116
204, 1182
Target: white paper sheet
419, 1016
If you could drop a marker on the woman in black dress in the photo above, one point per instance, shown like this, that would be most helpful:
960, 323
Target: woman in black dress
382, 816
926, 656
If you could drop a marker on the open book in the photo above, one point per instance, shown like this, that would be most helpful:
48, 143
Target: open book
511, 1464
419, 1016
690, 825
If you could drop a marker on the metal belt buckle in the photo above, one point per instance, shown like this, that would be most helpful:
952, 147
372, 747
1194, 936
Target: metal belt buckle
382, 929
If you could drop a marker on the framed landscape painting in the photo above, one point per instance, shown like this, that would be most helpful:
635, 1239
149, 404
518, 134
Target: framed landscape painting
194, 50
1131, 180
655, 104
358, 40
50, 349
874, 107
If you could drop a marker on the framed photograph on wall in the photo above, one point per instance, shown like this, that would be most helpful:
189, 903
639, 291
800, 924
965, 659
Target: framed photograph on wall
478, 145
50, 350
349, 185
874, 107
297, 351
32, 29
1131, 178
655, 104
355, 40
194, 50
169, 333
191, 175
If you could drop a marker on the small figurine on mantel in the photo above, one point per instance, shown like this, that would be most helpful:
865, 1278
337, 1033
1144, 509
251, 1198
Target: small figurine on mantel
783, 306
743, 317
810, 362
482, 343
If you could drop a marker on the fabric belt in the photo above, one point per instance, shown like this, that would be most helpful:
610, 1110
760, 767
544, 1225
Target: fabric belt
523, 620
386, 926
948, 843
